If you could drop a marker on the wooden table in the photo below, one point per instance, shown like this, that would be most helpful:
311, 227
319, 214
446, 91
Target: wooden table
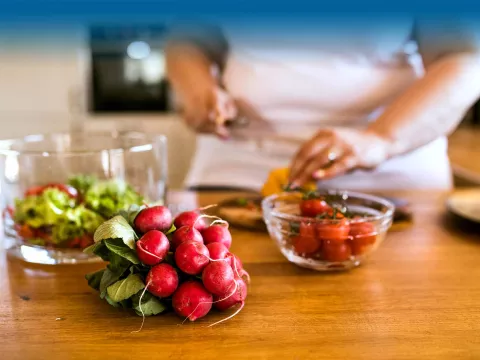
418, 297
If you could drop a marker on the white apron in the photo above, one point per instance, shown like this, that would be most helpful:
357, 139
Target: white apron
290, 91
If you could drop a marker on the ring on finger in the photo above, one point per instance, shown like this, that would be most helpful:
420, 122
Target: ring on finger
333, 154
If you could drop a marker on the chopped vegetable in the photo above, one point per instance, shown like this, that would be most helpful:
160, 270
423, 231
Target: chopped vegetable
58, 216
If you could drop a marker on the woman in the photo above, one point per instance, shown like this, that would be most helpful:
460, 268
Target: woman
356, 110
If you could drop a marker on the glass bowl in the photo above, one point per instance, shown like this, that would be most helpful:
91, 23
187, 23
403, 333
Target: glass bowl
351, 228
56, 189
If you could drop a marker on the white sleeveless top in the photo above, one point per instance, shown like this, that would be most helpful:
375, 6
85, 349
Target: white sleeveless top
289, 87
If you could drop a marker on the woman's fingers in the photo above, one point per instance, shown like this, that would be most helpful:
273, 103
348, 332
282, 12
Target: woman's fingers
308, 151
324, 159
207, 114
339, 167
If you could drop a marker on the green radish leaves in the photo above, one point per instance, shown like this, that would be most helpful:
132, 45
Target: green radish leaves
116, 228
123, 281
118, 247
150, 305
94, 279
126, 288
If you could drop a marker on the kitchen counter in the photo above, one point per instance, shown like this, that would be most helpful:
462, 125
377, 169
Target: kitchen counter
416, 298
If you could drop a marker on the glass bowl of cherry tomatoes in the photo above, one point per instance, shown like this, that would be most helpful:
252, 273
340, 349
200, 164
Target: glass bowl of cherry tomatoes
327, 230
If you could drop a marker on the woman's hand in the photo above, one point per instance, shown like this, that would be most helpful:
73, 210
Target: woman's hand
205, 105
336, 151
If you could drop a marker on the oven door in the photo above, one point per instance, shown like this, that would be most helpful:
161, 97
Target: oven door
128, 70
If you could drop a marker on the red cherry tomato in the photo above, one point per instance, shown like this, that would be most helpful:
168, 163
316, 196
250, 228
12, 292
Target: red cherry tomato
25, 232
43, 235
335, 232
364, 232
35, 191
75, 242
307, 229
335, 251
363, 235
86, 240
313, 207
306, 245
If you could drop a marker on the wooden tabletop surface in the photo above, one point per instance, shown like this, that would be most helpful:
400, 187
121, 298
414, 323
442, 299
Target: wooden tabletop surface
418, 297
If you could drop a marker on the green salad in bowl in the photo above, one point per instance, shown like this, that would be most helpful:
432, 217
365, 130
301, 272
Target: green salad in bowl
66, 215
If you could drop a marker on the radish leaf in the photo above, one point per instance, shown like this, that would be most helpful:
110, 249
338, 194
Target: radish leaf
126, 288
118, 247
150, 304
94, 279
116, 228
114, 271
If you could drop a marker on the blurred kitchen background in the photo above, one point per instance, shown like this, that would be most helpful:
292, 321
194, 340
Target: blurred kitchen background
111, 77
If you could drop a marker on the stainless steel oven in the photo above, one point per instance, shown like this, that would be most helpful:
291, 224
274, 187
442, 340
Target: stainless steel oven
128, 69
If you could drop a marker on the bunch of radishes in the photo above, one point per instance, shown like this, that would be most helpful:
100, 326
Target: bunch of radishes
191, 265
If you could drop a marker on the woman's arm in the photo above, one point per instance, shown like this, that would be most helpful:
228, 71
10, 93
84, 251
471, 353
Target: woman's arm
432, 107
192, 54
435, 104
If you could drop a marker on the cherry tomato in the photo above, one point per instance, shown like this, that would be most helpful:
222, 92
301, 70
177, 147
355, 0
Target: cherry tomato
35, 191
306, 245
363, 232
307, 229
335, 251
363, 235
335, 232
75, 242
86, 240
41, 234
313, 207
25, 232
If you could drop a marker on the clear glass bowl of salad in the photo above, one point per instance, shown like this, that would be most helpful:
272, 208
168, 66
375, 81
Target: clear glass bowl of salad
57, 189
327, 230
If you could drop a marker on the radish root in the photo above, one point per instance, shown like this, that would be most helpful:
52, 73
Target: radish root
229, 317
206, 207
140, 307
218, 220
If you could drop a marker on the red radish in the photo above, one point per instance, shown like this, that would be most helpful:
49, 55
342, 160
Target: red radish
237, 267
190, 218
153, 218
162, 280
192, 300
235, 262
217, 251
192, 257
232, 298
218, 277
152, 247
184, 234
217, 233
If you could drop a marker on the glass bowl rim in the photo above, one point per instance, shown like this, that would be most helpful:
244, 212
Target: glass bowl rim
388, 214
5, 144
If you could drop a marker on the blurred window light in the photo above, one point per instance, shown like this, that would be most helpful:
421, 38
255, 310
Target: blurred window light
138, 50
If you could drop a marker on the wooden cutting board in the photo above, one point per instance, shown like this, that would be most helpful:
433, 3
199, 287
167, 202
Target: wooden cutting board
246, 213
